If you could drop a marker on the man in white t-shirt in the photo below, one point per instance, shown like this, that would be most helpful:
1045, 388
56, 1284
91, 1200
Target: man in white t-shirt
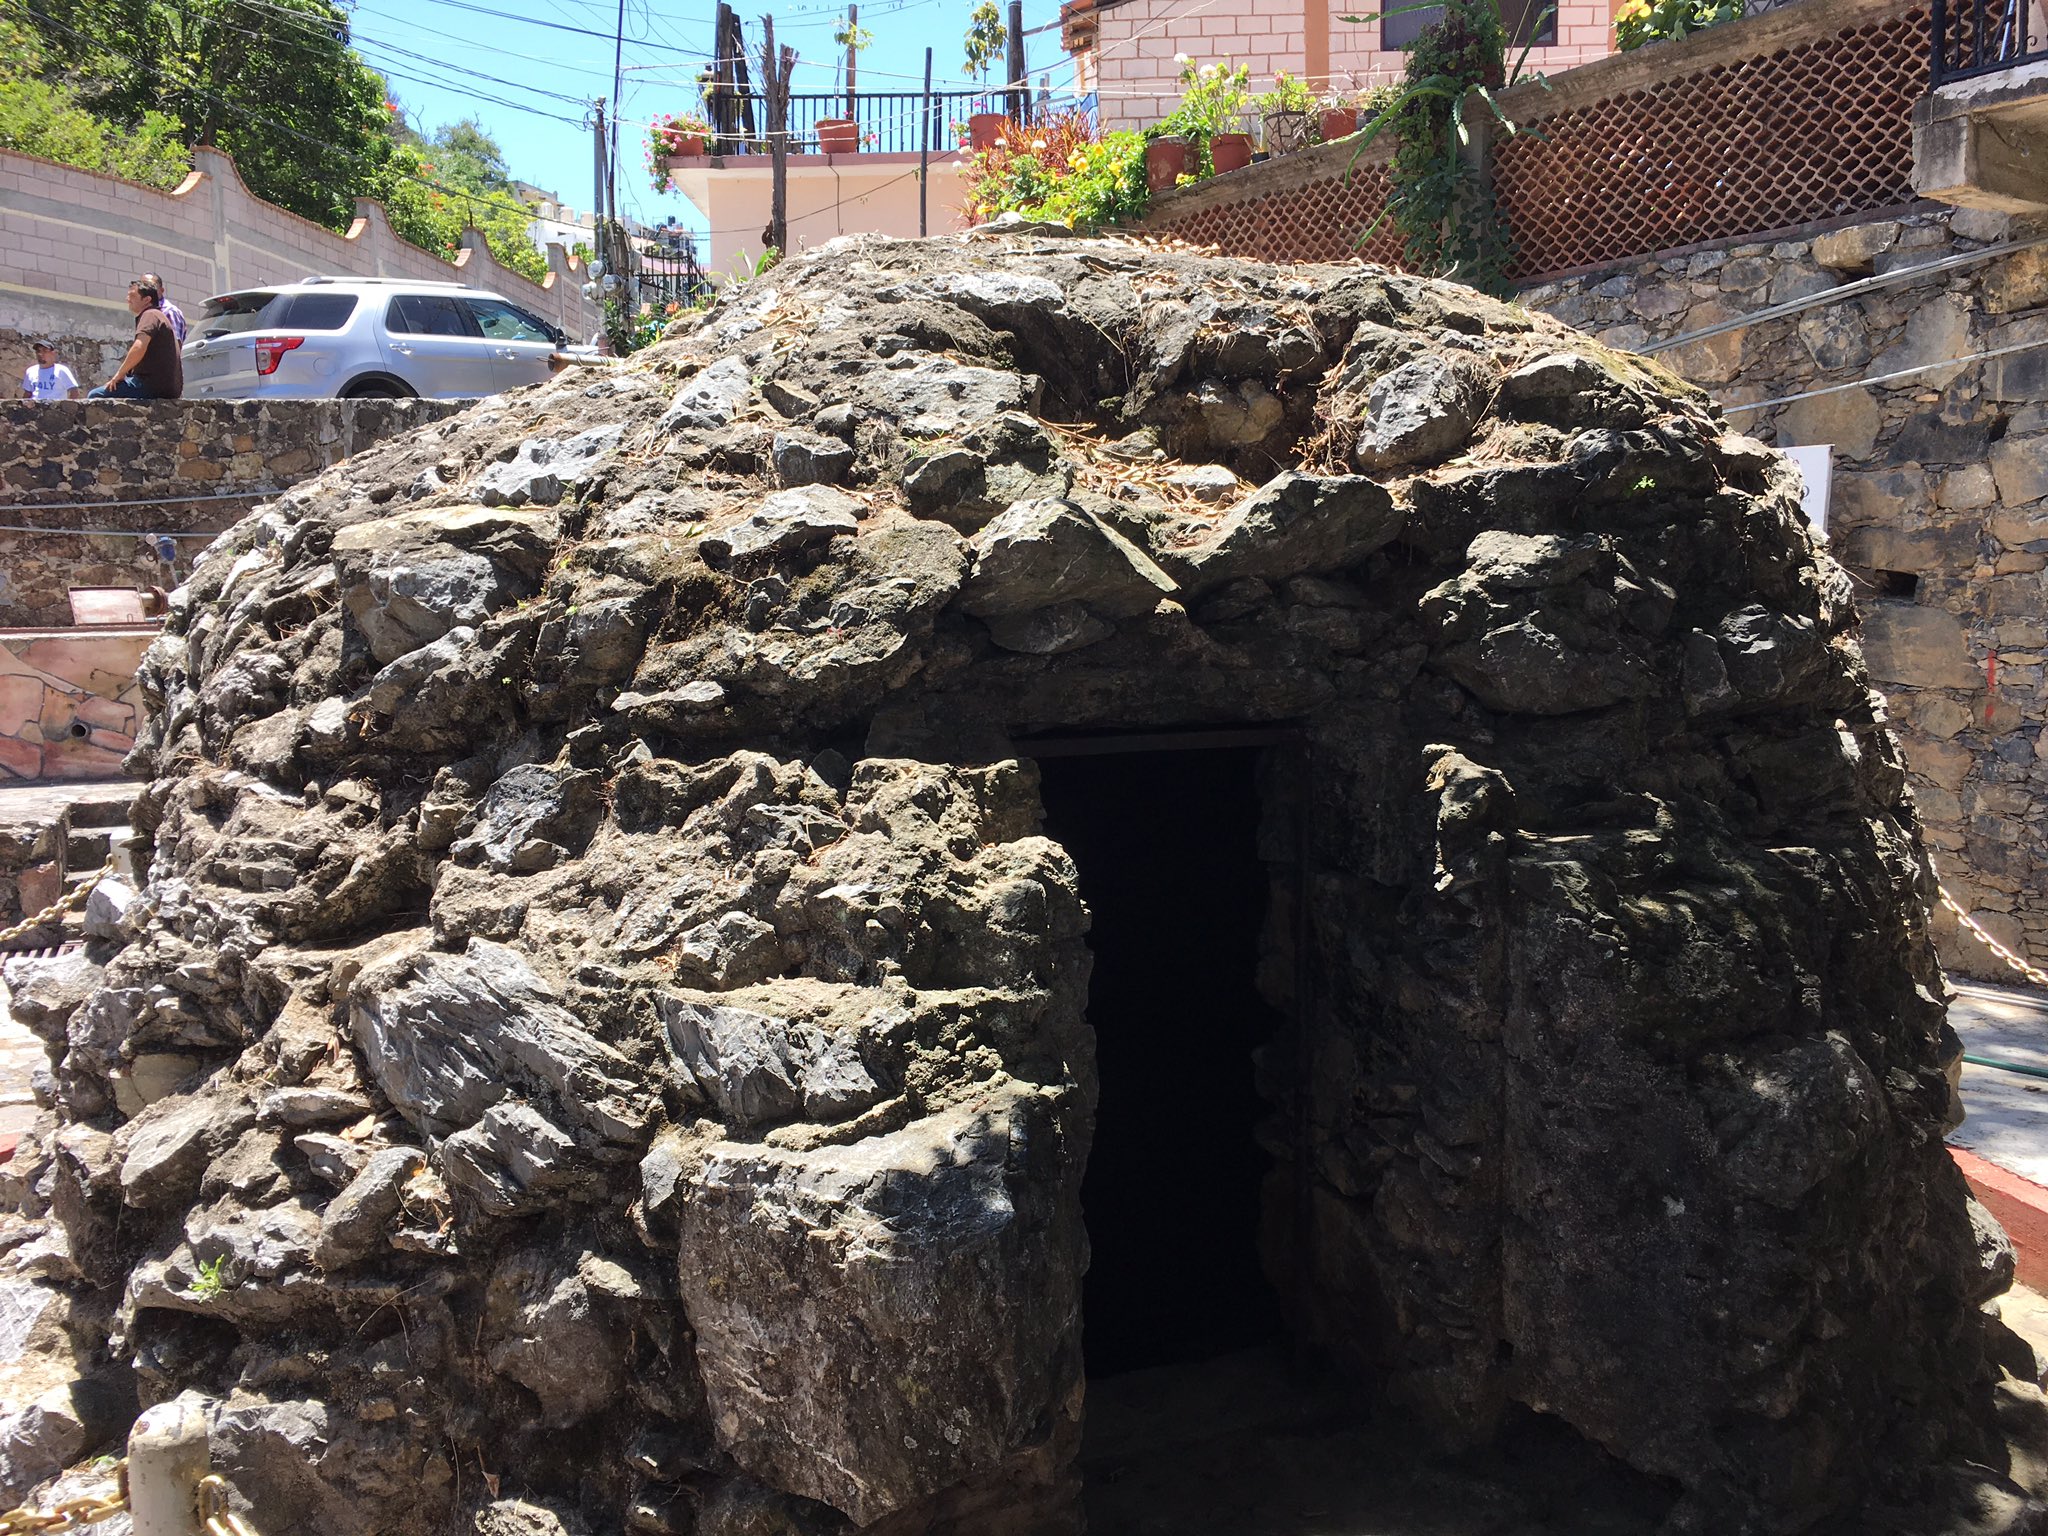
49, 379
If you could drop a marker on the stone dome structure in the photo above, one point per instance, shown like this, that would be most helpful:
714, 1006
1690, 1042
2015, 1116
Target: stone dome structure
655, 886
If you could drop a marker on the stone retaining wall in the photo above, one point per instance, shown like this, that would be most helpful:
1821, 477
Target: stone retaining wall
69, 702
1939, 505
82, 481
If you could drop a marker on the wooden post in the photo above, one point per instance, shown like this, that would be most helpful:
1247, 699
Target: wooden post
852, 58
924, 155
1020, 77
743, 89
776, 67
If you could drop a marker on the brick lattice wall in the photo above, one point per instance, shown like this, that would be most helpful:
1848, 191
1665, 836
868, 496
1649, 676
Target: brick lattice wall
1792, 117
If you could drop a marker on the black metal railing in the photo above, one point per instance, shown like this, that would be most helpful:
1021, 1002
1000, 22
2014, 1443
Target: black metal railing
1981, 37
667, 270
889, 122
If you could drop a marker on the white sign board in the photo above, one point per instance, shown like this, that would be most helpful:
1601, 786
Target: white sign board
1816, 467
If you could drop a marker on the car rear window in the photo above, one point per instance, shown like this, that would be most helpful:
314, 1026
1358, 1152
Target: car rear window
316, 312
233, 312
266, 310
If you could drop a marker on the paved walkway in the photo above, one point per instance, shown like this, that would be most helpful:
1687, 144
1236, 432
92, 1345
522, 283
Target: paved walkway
2008, 1111
21, 1053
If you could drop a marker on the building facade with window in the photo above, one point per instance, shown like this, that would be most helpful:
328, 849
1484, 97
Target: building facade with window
1124, 50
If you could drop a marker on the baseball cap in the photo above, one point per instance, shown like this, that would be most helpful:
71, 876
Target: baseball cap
41, 342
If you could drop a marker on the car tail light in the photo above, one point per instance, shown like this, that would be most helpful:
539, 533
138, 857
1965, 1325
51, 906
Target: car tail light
269, 349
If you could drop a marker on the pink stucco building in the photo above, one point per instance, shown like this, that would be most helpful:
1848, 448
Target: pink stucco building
1124, 50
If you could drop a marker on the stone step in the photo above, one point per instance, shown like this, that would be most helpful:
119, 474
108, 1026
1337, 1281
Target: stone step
88, 847
106, 807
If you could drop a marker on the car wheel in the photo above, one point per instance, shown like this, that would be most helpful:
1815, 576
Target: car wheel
377, 389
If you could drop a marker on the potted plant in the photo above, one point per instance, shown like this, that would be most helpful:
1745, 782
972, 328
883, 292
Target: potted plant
1286, 111
986, 39
673, 137
1336, 118
1167, 158
1230, 151
1212, 102
838, 136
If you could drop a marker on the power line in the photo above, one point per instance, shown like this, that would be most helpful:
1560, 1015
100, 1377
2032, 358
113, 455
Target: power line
359, 160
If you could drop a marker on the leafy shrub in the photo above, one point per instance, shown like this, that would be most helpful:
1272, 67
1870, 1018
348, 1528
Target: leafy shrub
1652, 21
1061, 171
45, 117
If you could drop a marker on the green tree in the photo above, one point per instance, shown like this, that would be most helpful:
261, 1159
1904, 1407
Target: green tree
272, 82
986, 39
44, 117
471, 185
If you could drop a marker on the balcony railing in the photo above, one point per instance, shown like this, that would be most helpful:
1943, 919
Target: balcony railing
1981, 37
891, 122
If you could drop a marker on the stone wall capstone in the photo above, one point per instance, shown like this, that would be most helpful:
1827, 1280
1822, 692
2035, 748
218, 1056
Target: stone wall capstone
1939, 504
81, 482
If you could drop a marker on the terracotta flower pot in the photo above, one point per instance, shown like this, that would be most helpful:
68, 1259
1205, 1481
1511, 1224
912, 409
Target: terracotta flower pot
985, 130
1231, 151
838, 136
683, 145
1286, 132
1166, 161
1337, 123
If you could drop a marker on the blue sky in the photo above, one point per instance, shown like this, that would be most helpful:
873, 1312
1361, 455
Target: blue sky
542, 73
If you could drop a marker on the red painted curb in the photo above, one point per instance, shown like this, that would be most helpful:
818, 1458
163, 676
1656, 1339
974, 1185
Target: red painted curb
2021, 1207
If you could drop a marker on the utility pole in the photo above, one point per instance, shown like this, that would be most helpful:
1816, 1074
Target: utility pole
1020, 77
598, 173
852, 57
777, 65
924, 155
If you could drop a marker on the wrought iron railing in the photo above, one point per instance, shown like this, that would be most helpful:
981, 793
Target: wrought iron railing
890, 122
1981, 37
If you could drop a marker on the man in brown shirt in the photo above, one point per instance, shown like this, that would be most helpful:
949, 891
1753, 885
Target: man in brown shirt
152, 368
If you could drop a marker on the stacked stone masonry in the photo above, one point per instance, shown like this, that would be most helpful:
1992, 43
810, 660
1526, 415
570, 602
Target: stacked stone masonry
1939, 501
605, 986
82, 483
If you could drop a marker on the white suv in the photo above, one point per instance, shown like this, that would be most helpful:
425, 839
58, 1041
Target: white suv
357, 337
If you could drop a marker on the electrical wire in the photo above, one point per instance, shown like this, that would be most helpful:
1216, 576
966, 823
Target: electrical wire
482, 199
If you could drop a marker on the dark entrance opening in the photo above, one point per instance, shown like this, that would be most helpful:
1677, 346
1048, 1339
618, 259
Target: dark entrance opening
1166, 844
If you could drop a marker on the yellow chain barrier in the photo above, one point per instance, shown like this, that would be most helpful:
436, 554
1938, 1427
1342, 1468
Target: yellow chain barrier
79, 895
88, 1509
214, 1511
2033, 973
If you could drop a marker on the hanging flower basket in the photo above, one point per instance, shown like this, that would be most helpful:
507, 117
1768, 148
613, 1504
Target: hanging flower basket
672, 138
838, 136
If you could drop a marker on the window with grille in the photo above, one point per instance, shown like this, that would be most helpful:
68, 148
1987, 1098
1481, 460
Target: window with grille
1528, 21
